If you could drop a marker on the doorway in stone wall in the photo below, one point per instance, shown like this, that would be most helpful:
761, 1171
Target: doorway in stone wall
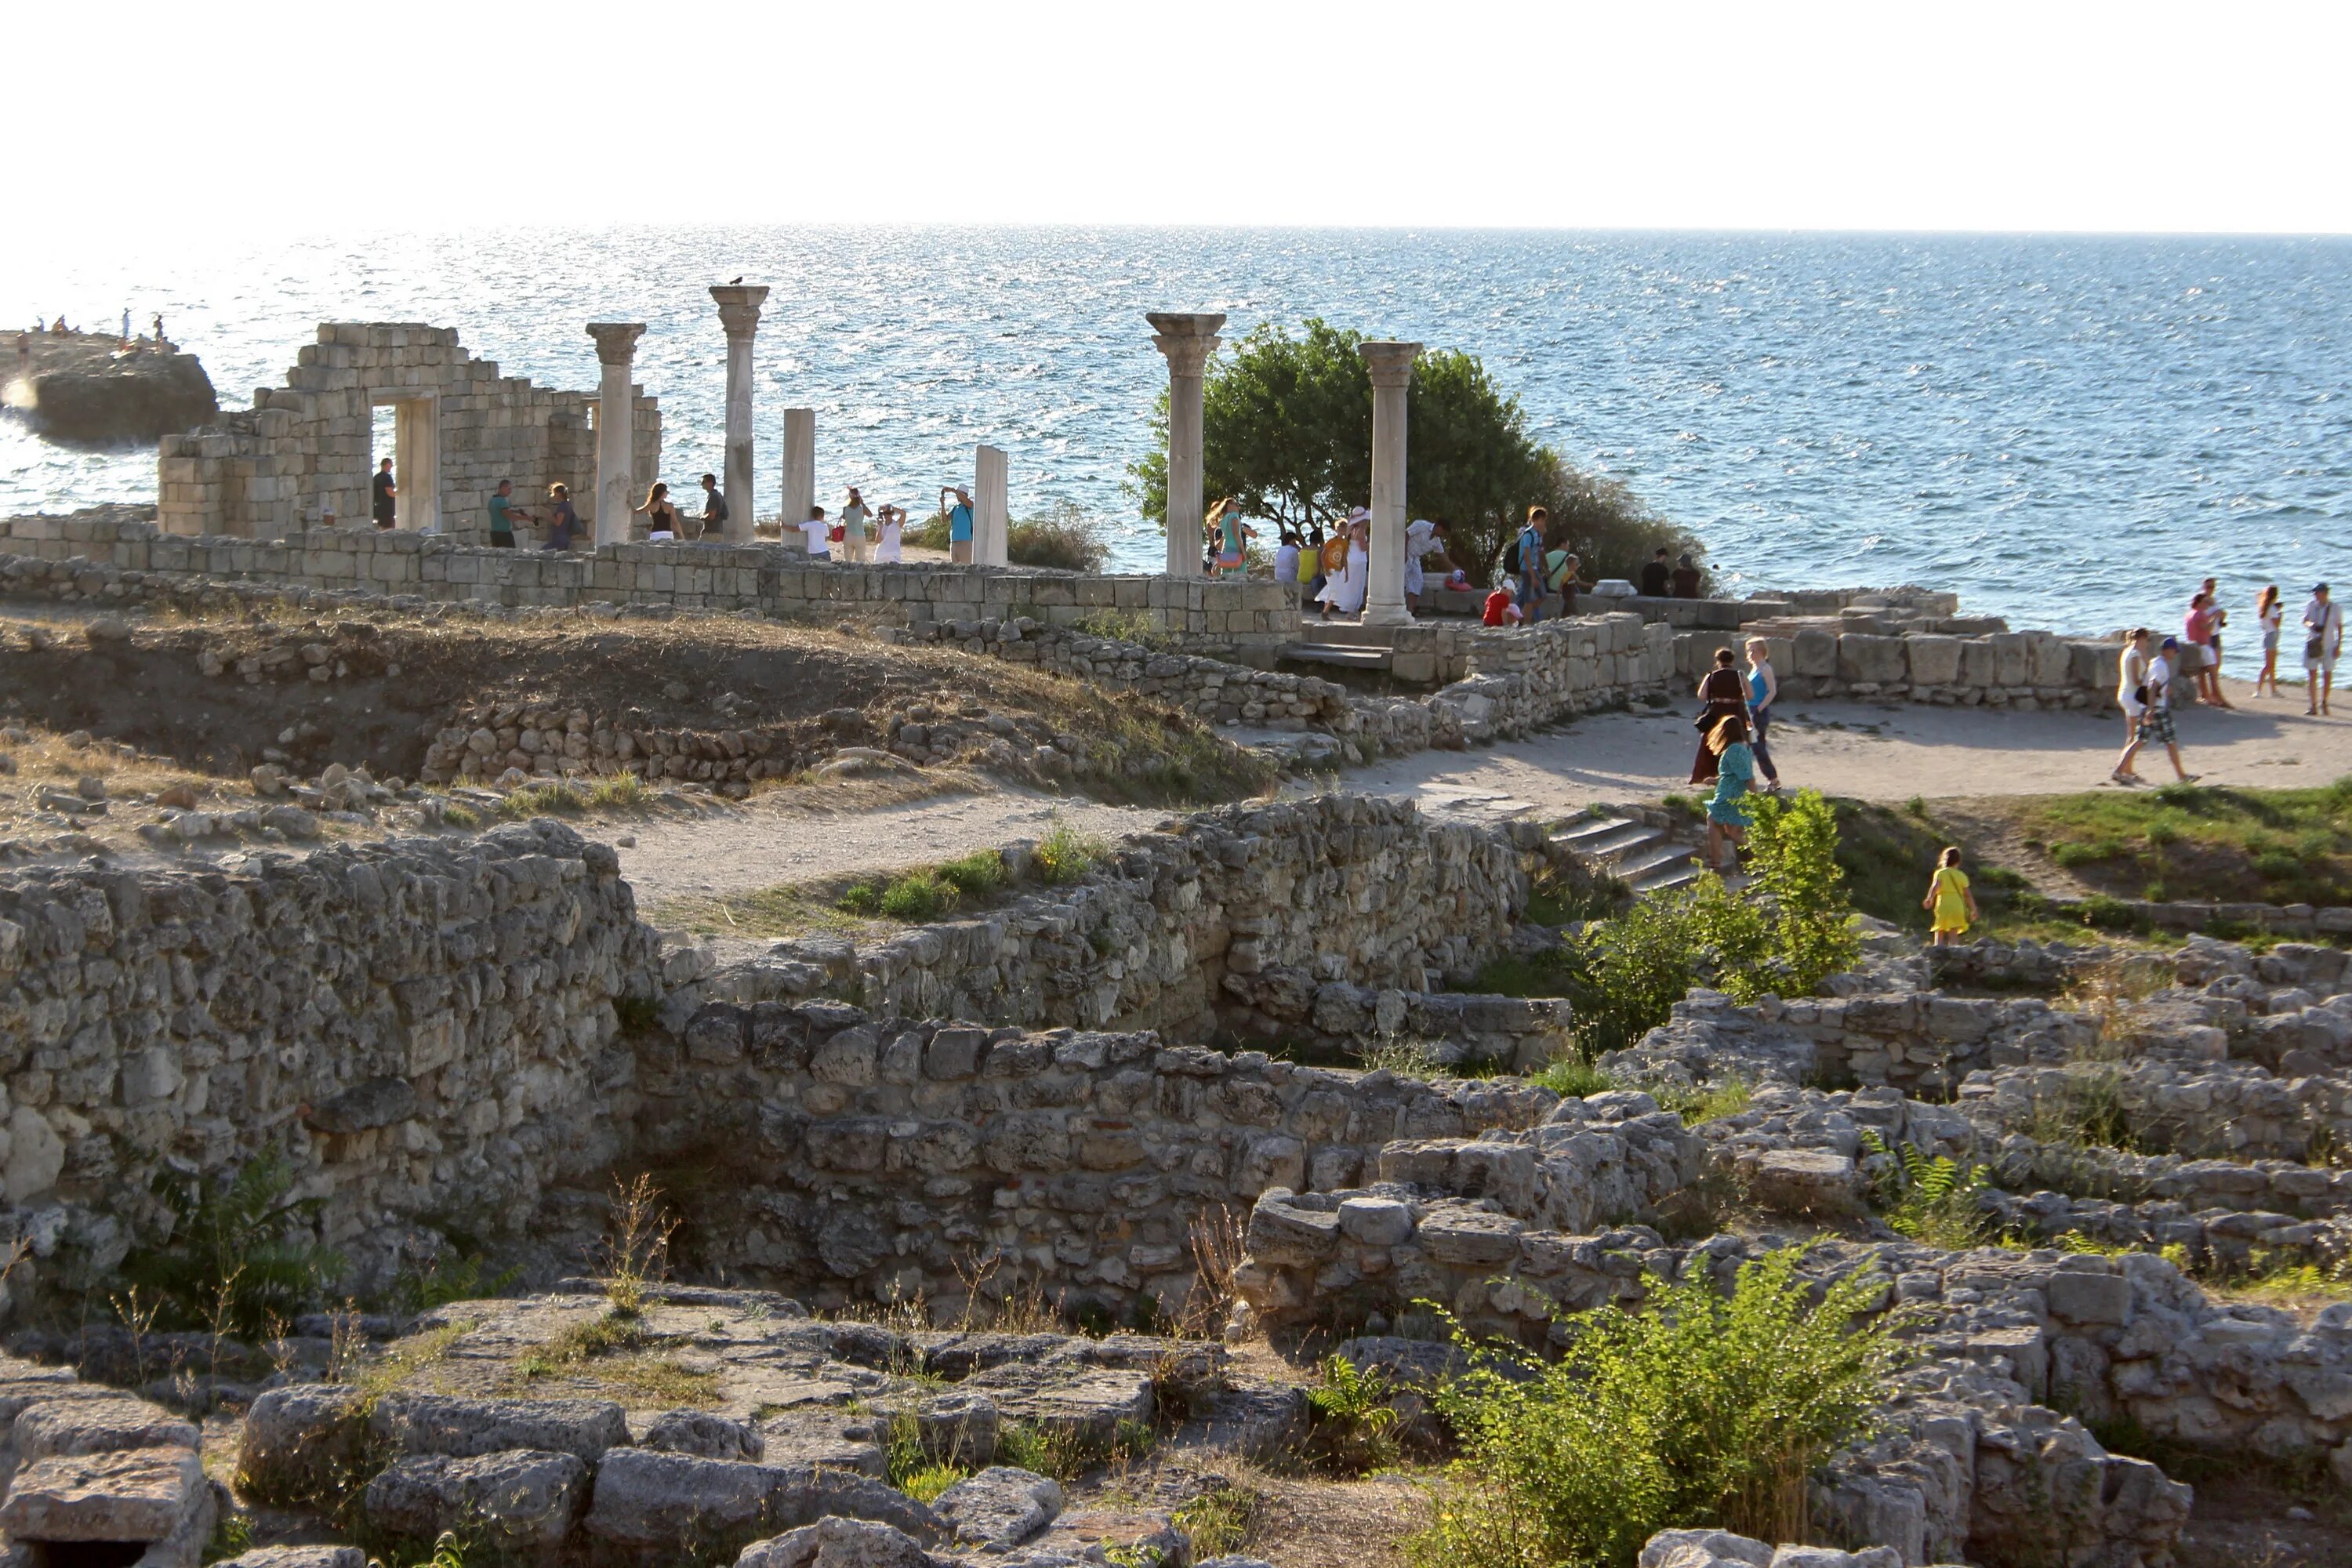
407, 428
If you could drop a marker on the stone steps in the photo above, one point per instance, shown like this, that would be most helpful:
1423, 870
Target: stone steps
1645, 858
1336, 654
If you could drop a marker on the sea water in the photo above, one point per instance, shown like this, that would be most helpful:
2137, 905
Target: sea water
2069, 431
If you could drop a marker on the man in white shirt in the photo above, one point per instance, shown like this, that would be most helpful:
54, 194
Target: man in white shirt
815, 531
2131, 683
2156, 723
2323, 629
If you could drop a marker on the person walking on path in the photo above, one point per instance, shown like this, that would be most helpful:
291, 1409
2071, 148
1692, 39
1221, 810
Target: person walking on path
2131, 696
854, 517
714, 509
563, 522
2155, 720
502, 516
1727, 809
2323, 625
1531, 563
1658, 576
1685, 579
386, 505
2200, 635
1763, 686
1343, 589
2269, 614
1724, 695
1952, 907
959, 523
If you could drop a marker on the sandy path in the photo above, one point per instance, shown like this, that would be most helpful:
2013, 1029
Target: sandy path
785, 837
1885, 752
1875, 750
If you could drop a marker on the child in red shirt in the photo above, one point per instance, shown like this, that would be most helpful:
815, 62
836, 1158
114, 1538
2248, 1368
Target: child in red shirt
1502, 608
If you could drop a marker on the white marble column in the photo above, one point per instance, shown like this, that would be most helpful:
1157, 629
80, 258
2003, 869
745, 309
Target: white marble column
416, 462
800, 467
992, 521
739, 313
616, 423
1391, 371
1187, 339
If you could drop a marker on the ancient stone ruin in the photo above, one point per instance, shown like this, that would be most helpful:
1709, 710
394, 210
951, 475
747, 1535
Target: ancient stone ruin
303, 450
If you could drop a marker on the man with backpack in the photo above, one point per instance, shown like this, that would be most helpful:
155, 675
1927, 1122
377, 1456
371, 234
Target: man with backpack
1526, 562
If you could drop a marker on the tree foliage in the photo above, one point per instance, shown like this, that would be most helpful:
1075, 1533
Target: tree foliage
1288, 428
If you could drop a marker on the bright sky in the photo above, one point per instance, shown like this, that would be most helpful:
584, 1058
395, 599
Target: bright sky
231, 117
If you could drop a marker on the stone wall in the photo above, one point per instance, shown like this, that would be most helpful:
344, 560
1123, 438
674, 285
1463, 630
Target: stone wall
417, 1027
1230, 922
307, 447
865, 1158
2026, 671
104, 557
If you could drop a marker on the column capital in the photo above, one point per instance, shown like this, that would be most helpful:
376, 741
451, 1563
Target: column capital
616, 342
738, 307
1390, 364
1186, 337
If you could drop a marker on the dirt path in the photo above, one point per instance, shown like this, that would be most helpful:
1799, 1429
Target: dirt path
1882, 751
789, 837
1873, 751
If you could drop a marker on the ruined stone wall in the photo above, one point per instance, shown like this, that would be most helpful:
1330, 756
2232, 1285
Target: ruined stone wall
864, 1158
2025, 671
105, 558
305, 447
417, 1027
1188, 930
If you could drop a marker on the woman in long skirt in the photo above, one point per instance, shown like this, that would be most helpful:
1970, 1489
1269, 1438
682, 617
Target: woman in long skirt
1344, 591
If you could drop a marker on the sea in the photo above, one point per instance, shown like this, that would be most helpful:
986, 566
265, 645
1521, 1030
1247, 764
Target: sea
2069, 431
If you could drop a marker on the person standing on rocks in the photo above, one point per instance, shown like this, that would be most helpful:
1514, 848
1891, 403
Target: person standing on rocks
1725, 695
386, 505
1952, 907
2131, 696
2323, 625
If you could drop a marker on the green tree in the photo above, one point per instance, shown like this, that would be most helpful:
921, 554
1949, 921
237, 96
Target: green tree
1792, 855
1287, 429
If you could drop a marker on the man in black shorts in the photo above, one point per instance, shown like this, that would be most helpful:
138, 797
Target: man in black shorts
386, 497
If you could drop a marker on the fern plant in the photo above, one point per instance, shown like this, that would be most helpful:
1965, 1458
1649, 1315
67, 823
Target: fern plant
240, 1256
1930, 1198
1354, 1422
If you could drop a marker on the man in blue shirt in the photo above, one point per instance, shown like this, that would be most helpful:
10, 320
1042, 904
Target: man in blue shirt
959, 524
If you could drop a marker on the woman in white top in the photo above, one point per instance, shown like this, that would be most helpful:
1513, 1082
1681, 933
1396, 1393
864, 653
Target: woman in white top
893, 520
1344, 590
2271, 614
2131, 696
1285, 561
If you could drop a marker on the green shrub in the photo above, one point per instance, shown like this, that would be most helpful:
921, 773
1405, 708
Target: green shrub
1792, 856
239, 1256
2104, 911
444, 1279
975, 876
1574, 1078
916, 896
1065, 539
1631, 969
1354, 1424
1700, 1410
1065, 854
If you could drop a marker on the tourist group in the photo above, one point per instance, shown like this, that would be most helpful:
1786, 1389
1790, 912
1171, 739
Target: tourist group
2151, 669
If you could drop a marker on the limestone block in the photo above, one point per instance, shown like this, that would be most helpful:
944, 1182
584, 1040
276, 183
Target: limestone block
513, 1501
1934, 661
1864, 657
999, 1508
465, 1428
139, 1494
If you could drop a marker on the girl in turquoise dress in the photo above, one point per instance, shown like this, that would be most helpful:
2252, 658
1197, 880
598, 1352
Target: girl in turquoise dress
1727, 809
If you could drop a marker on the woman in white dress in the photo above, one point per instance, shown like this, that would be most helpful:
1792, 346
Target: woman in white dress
893, 522
1344, 591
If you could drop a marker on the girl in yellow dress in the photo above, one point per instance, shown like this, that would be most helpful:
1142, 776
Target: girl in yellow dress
1949, 900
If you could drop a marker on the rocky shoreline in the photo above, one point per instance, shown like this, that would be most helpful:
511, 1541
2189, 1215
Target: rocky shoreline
84, 388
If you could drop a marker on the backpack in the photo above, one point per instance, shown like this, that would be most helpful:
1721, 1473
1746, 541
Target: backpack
1511, 556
